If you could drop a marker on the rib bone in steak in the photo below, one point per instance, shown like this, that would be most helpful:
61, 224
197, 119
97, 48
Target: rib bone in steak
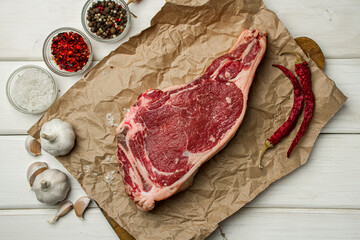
168, 134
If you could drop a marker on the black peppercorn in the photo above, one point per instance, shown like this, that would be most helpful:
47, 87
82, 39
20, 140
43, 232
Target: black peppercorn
107, 19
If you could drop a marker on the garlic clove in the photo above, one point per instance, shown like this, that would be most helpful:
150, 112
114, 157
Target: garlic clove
63, 209
32, 146
35, 169
81, 205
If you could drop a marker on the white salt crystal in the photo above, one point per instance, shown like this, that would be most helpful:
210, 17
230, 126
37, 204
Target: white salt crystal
110, 118
108, 178
33, 90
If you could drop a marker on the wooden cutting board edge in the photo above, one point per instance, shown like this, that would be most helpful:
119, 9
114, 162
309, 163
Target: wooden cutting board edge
311, 49
120, 232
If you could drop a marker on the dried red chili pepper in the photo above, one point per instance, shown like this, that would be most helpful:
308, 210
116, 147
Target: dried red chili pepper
70, 51
290, 123
303, 71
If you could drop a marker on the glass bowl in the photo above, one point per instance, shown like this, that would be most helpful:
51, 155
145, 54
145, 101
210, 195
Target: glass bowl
10, 89
85, 22
48, 57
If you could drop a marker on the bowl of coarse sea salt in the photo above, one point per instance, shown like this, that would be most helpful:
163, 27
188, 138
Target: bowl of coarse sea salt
31, 89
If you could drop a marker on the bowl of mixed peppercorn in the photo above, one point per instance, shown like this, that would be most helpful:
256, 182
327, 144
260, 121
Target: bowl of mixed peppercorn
106, 20
67, 52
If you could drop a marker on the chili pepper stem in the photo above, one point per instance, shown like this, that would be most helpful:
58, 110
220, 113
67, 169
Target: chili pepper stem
133, 15
299, 58
266, 146
131, 1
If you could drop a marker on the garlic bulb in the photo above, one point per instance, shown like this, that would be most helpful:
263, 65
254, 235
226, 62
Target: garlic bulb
32, 146
57, 137
51, 186
80, 206
35, 169
64, 208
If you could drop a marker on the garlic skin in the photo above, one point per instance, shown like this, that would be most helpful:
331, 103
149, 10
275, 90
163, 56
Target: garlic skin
32, 146
51, 186
57, 137
81, 205
63, 209
35, 169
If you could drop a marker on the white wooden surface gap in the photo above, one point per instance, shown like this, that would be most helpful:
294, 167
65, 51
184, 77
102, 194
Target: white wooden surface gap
320, 200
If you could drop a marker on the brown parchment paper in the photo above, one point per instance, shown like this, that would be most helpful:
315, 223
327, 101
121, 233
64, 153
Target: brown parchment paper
183, 39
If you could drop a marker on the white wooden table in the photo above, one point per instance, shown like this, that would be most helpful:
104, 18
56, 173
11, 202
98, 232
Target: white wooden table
321, 200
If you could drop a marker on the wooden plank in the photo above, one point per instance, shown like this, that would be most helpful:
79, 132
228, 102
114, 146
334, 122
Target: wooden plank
32, 224
262, 223
344, 72
333, 25
249, 223
12, 121
25, 27
330, 179
26, 24
13, 167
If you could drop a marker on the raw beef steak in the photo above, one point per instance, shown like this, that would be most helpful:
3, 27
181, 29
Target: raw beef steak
168, 134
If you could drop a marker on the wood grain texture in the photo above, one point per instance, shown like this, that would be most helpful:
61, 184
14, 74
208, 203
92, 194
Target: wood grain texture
26, 24
318, 201
329, 179
32, 224
13, 167
332, 25
295, 224
12, 121
248, 223
120, 232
